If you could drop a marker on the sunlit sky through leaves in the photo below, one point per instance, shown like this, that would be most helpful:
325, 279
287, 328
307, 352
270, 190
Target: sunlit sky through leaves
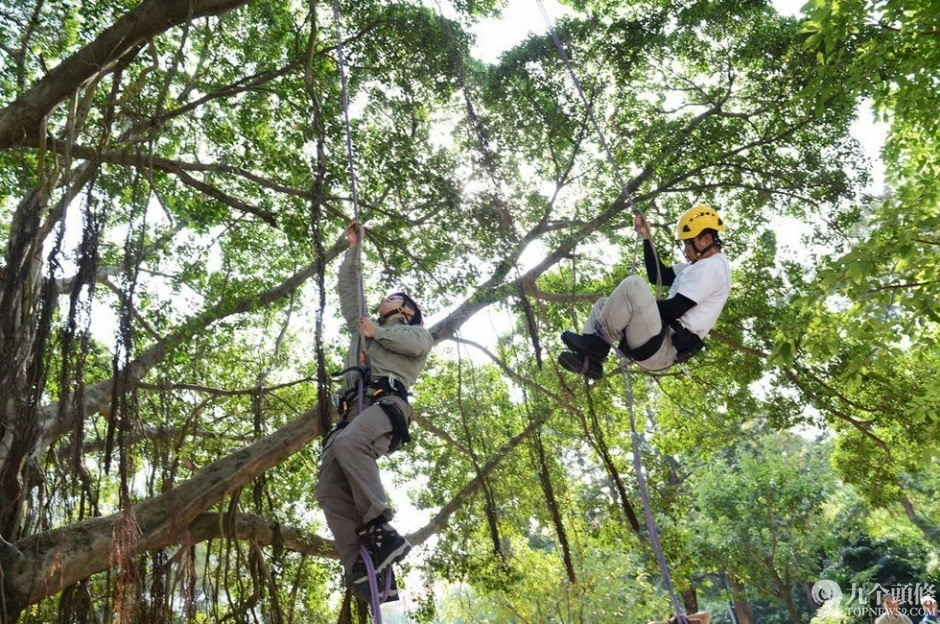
521, 18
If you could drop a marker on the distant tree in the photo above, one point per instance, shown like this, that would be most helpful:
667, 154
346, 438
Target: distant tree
761, 515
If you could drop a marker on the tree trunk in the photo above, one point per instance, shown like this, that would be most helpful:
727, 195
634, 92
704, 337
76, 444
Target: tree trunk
57, 559
791, 608
24, 325
60, 558
690, 600
742, 608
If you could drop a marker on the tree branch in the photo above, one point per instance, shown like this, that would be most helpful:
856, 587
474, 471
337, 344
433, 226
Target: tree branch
97, 397
439, 521
152, 17
56, 559
252, 527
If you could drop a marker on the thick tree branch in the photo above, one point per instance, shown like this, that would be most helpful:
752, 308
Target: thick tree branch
496, 288
23, 117
225, 198
252, 527
53, 560
926, 526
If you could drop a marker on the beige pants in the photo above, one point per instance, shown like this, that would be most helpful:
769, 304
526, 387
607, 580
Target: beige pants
630, 311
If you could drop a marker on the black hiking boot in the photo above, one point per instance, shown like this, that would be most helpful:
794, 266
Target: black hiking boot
589, 344
384, 544
581, 364
385, 582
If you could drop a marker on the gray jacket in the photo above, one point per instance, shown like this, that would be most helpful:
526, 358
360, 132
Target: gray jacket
398, 349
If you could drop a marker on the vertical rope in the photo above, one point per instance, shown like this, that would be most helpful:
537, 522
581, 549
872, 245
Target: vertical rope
627, 375
587, 105
341, 62
363, 311
584, 100
373, 583
624, 361
644, 495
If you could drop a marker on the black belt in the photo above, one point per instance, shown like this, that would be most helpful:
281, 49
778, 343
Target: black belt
646, 350
377, 388
388, 385
686, 341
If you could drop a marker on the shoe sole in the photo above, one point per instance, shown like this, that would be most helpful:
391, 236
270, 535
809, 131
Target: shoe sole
366, 596
578, 367
363, 592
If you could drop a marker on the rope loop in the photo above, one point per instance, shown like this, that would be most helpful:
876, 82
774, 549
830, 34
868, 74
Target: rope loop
373, 583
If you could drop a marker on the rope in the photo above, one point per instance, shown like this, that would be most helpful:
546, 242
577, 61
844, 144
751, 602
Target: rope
584, 100
624, 360
627, 375
644, 494
373, 583
600, 134
364, 312
341, 62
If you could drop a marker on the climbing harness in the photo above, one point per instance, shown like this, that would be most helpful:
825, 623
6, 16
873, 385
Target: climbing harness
687, 342
378, 391
624, 357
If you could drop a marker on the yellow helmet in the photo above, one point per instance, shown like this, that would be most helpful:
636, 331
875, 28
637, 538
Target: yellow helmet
696, 219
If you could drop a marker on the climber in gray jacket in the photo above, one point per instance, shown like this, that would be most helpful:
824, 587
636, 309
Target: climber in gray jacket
385, 357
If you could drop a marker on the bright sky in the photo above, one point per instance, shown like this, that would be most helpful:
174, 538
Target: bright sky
521, 18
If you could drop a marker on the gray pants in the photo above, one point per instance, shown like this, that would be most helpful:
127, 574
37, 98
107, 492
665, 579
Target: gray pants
630, 311
349, 488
